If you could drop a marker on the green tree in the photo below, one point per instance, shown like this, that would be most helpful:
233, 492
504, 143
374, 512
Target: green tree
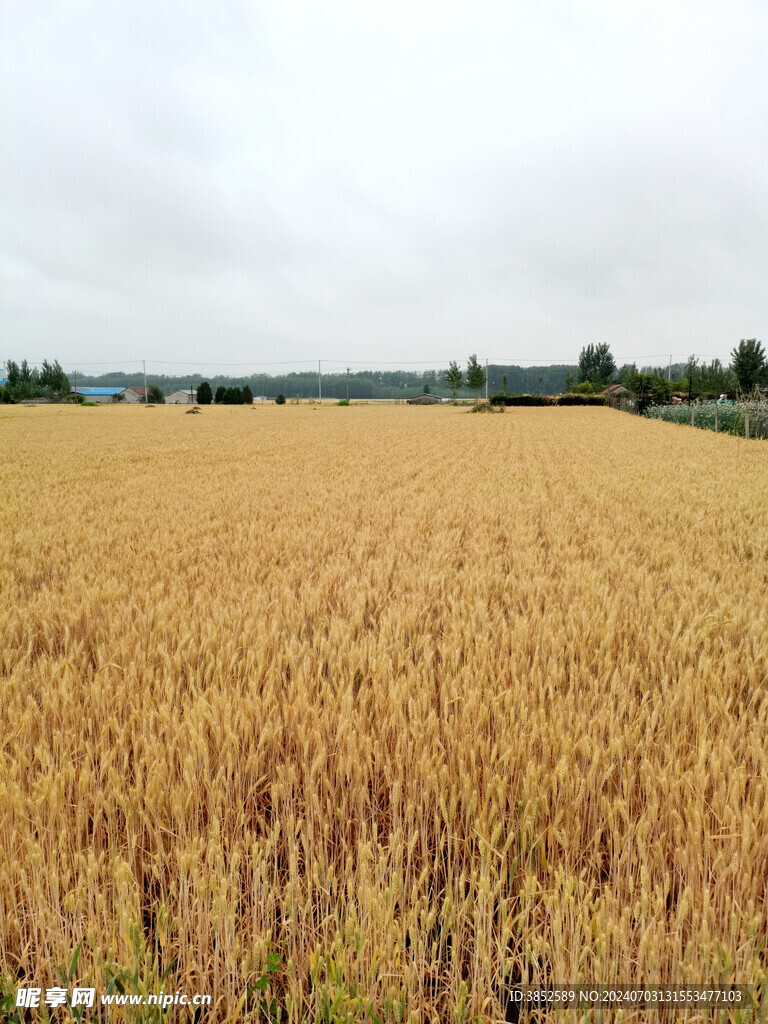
280, 400
716, 379
155, 394
625, 371
454, 379
23, 382
596, 365
246, 396
204, 393
691, 376
475, 375
648, 389
747, 362
53, 381
221, 394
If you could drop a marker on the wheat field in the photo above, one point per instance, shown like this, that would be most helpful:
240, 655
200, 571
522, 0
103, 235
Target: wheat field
415, 698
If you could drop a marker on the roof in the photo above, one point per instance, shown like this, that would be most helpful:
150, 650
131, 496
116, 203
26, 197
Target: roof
139, 391
424, 400
99, 391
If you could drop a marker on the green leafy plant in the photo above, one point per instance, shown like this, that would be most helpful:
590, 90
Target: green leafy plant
266, 1004
9, 1014
145, 976
67, 977
338, 1001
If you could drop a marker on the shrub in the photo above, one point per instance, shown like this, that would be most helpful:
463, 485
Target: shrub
280, 400
344, 401
581, 399
501, 399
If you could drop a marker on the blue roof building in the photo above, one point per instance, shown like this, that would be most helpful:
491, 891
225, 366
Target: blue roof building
99, 394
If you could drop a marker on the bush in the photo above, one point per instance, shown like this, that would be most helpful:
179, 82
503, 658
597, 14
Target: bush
546, 400
581, 400
280, 400
344, 401
500, 399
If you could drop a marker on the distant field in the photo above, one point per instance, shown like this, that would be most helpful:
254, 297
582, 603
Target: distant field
422, 698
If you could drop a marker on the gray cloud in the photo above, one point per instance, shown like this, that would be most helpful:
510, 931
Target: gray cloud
251, 182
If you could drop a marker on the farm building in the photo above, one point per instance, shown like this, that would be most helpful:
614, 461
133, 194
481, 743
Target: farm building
181, 397
134, 395
101, 395
617, 396
424, 400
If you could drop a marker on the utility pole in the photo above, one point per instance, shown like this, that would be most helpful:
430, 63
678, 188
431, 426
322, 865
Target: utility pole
347, 385
319, 382
146, 392
669, 372
486, 380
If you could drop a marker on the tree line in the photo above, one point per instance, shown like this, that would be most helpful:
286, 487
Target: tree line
224, 396
363, 384
747, 371
25, 382
595, 370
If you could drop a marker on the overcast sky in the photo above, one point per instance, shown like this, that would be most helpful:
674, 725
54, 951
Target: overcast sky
225, 182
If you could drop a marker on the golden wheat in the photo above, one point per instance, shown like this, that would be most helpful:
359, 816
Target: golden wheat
423, 698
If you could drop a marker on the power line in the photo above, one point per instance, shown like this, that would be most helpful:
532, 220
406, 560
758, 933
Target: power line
194, 364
